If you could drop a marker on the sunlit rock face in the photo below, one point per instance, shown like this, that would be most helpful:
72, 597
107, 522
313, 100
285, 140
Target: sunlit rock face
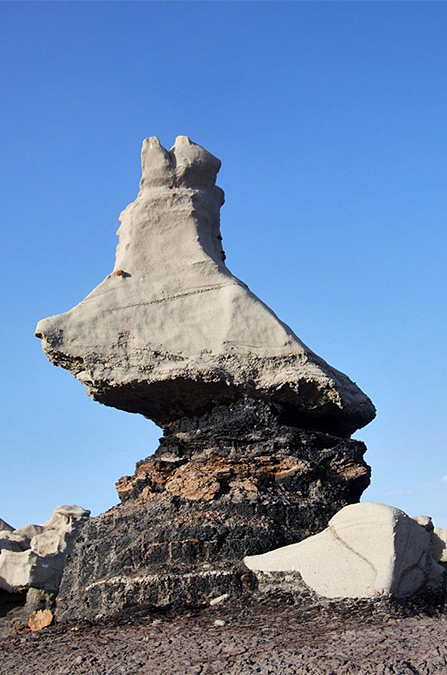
171, 332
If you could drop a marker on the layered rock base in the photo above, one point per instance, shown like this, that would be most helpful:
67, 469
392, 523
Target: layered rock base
240, 480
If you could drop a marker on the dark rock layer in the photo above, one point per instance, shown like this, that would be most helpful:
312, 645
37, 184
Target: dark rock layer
239, 480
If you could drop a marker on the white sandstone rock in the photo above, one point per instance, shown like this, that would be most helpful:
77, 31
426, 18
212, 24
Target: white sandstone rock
22, 542
171, 330
16, 569
8, 544
46, 546
367, 550
64, 516
438, 538
48, 543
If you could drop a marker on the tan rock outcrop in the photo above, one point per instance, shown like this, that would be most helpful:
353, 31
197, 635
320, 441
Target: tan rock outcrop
41, 618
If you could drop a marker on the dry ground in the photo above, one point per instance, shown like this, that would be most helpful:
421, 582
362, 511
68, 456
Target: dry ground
255, 638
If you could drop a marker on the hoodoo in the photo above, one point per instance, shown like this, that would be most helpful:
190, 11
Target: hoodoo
256, 451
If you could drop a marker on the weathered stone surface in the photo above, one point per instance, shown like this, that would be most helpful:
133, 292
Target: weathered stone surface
5, 527
171, 332
425, 521
247, 450
31, 565
12, 537
256, 451
6, 544
368, 550
27, 532
34, 556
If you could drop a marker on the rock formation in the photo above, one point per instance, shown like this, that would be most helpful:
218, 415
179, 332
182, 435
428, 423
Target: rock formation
32, 560
171, 332
368, 550
256, 450
34, 556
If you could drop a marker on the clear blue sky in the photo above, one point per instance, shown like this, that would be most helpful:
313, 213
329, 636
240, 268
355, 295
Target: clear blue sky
331, 122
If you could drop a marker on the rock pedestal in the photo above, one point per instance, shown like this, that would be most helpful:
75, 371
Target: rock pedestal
237, 481
256, 450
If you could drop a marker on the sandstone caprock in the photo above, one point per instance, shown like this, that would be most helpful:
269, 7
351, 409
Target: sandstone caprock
171, 332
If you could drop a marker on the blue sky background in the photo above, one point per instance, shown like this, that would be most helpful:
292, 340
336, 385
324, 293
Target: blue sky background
331, 122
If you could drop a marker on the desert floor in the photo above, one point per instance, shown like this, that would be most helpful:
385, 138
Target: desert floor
254, 638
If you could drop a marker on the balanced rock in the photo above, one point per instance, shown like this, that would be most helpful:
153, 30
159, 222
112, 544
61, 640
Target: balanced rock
171, 332
255, 451
367, 550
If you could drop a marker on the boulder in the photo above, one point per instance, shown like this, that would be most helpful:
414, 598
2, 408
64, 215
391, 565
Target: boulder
7, 544
39, 619
7, 536
171, 332
27, 532
367, 550
425, 522
438, 538
34, 556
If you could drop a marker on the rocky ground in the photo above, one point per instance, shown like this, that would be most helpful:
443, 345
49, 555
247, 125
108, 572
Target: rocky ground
251, 637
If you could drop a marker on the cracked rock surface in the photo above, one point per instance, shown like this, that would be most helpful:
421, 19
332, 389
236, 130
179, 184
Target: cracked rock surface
237, 481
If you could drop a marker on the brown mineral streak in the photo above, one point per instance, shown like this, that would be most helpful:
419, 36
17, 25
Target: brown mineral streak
206, 479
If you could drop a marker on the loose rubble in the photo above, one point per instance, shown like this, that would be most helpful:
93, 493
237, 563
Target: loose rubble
275, 638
